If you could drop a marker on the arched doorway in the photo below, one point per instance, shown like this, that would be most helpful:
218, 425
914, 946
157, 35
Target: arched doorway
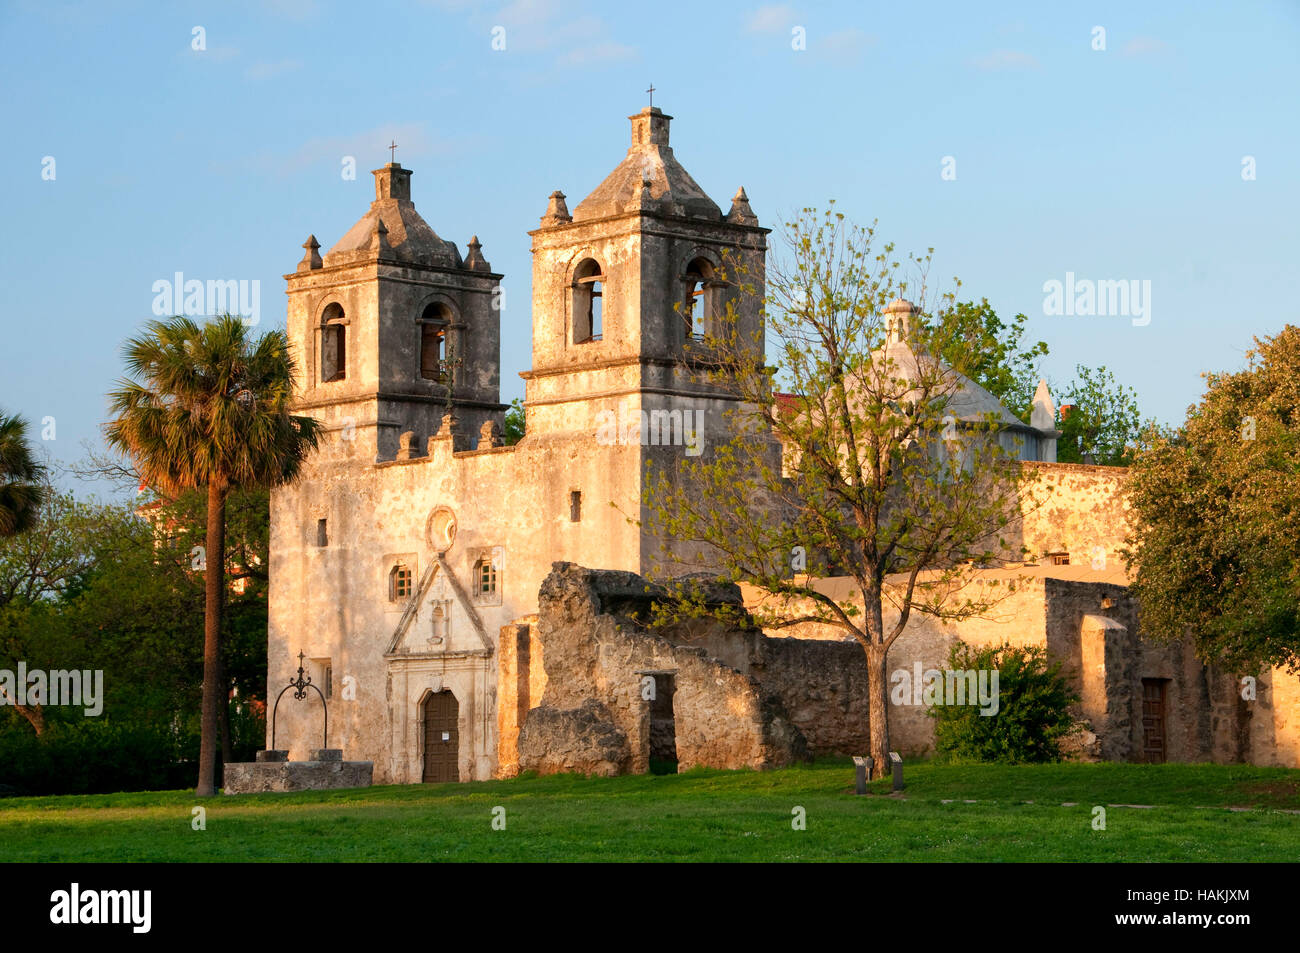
441, 738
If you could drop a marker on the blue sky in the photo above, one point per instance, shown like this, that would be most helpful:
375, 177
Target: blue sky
1123, 163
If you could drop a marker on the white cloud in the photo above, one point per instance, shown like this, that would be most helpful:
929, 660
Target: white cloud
847, 44
294, 9
773, 18
1006, 60
1144, 46
548, 26
267, 70
590, 54
369, 148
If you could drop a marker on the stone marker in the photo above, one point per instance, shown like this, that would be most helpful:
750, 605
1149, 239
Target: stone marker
326, 754
863, 769
896, 763
272, 754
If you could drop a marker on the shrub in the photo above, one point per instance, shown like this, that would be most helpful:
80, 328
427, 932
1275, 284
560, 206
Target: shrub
97, 756
1032, 715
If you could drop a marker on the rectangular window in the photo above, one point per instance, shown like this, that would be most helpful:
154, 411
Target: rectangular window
323, 676
1060, 559
399, 583
322, 534
575, 506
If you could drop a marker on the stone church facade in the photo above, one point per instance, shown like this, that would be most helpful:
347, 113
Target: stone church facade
406, 563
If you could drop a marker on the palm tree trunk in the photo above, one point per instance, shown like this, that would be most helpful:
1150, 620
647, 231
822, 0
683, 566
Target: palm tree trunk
214, 579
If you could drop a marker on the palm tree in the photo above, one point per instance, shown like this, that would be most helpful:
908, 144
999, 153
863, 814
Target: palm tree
22, 479
208, 408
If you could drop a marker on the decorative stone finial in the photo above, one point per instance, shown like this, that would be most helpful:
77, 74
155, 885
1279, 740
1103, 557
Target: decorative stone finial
311, 258
1043, 416
741, 213
379, 238
557, 213
406, 448
643, 199
475, 261
489, 435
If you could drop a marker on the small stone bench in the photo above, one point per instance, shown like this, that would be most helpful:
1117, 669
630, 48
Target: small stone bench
273, 771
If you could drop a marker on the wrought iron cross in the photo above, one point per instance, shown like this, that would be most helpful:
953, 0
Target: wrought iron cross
651, 91
392, 150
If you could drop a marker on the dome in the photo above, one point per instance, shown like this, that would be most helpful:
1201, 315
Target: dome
650, 159
404, 236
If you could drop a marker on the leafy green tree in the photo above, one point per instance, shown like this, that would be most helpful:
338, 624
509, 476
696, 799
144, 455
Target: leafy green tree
855, 471
1102, 424
514, 429
1033, 708
990, 352
1216, 516
22, 479
208, 408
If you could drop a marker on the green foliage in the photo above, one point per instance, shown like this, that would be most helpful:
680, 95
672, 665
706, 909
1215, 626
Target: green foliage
208, 404
989, 351
1103, 426
22, 479
1033, 708
1216, 516
98, 756
101, 588
514, 428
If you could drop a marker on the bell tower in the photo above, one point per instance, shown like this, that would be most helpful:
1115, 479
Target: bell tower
392, 330
625, 287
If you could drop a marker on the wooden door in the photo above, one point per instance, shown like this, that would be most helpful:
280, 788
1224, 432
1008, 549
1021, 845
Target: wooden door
441, 738
1153, 720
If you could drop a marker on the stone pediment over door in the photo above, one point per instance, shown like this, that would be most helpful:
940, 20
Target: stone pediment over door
440, 619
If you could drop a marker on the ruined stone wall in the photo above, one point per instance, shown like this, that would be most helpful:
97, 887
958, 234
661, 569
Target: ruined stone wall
822, 684
594, 715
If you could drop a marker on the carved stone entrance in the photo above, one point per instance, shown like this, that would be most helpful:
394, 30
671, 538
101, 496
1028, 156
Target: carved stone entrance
441, 737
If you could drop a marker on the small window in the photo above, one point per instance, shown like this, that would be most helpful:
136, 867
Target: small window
399, 583
333, 345
575, 506
323, 676
1060, 559
588, 307
485, 576
433, 342
322, 533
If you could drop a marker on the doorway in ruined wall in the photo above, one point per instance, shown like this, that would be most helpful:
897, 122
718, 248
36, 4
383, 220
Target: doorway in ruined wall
1154, 697
663, 725
441, 737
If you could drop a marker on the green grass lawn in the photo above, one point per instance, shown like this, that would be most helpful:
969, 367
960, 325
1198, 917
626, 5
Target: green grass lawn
699, 816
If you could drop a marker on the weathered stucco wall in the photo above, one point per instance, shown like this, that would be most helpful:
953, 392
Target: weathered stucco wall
1076, 509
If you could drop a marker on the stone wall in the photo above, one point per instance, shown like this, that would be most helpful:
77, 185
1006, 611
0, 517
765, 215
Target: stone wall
595, 716
822, 684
